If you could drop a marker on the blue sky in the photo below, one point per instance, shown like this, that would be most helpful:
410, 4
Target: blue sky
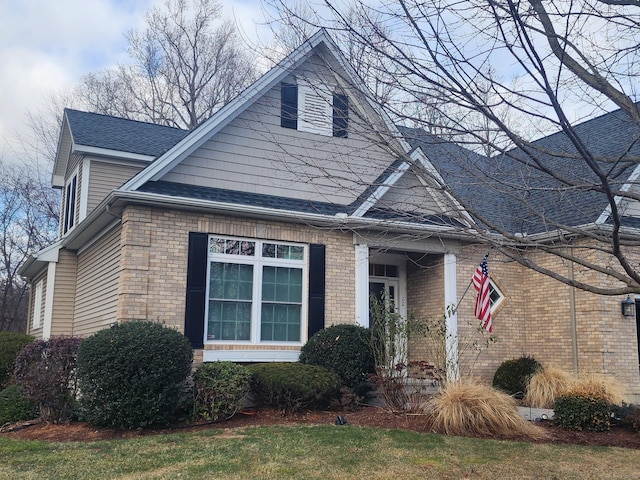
48, 45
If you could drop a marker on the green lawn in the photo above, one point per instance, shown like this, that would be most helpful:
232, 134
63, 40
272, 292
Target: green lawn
318, 452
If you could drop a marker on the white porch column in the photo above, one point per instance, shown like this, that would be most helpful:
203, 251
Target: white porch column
451, 316
362, 285
48, 301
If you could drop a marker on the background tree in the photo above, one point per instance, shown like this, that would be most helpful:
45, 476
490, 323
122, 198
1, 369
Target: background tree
550, 65
183, 68
27, 223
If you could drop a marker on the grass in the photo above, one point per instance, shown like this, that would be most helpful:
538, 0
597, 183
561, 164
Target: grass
316, 452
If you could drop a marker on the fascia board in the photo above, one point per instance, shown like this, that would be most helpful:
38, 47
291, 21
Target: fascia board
224, 116
379, 192
632, 180
61, 159
105, 152
420, 157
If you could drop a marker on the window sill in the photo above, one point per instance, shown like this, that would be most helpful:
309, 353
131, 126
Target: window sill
251, 355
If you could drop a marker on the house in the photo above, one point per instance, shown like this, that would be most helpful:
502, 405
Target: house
279, 216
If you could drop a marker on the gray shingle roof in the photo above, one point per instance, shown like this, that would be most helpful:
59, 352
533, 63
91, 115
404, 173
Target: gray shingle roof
512, 193
113, 133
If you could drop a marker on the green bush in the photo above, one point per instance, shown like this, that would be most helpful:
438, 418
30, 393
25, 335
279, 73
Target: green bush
582, 412
626, 416
219, 388
293, 386
45, 371
15, 406
132, 375
10, 345
345, 351
513, 376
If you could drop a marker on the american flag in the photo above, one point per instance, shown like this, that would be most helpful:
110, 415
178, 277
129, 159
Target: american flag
483, 299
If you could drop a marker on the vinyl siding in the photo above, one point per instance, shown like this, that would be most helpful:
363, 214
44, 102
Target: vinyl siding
104, 177
64, 293
97, 285
407, 194
255, 154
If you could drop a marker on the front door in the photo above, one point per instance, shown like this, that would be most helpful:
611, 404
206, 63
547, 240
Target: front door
385, 290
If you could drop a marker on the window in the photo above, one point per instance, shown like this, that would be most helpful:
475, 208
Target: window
37, 304
495, 295
70, 193
255, 291
314, 109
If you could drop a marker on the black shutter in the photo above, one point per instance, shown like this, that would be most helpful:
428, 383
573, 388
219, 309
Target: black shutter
288, 105
196, 289
316, 287
340, 115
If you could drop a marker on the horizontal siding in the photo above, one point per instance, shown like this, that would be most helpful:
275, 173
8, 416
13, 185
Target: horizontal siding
63, 300
97, 285
407, 194
104, 177
255, 154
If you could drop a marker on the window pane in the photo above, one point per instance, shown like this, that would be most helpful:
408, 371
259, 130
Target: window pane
269, 250
296, 253
229, 320
216, 245
280, 323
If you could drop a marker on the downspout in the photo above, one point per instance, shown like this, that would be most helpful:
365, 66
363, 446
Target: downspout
574, 327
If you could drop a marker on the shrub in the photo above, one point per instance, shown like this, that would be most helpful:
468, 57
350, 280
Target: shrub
468, 409
582, 412
10, 345
45, 370
219, 390
15, 406
293, 386
545, 386
626, 416
131, 375
512, 376
344, 350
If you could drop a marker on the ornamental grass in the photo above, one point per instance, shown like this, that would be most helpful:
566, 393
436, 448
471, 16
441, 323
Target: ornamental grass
606, 388
545, 386
479, 410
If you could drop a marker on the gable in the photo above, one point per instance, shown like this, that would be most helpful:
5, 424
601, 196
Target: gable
255, 154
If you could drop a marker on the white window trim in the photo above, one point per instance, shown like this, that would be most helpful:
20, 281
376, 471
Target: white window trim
258, 262
502, 298
84, 189
37, 304
48, 301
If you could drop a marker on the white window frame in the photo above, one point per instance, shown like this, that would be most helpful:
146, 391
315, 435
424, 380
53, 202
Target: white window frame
69, 207
256, 302
496, 304
37, 304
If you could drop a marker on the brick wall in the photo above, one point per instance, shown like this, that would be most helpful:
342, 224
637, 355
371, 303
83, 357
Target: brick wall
154, 261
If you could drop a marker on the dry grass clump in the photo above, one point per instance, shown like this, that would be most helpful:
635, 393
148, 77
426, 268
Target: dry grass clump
471, 409
545, 386
606, 388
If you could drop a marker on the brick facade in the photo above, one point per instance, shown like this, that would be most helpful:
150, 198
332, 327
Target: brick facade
154, 262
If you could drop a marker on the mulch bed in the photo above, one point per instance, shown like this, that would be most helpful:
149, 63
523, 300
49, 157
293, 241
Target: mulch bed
368, 416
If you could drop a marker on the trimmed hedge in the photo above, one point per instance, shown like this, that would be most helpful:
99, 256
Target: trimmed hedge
219, 388
45, 371
344, 350
582, 412
293, 386
512, 376
132, 374
10, 345
15, 406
